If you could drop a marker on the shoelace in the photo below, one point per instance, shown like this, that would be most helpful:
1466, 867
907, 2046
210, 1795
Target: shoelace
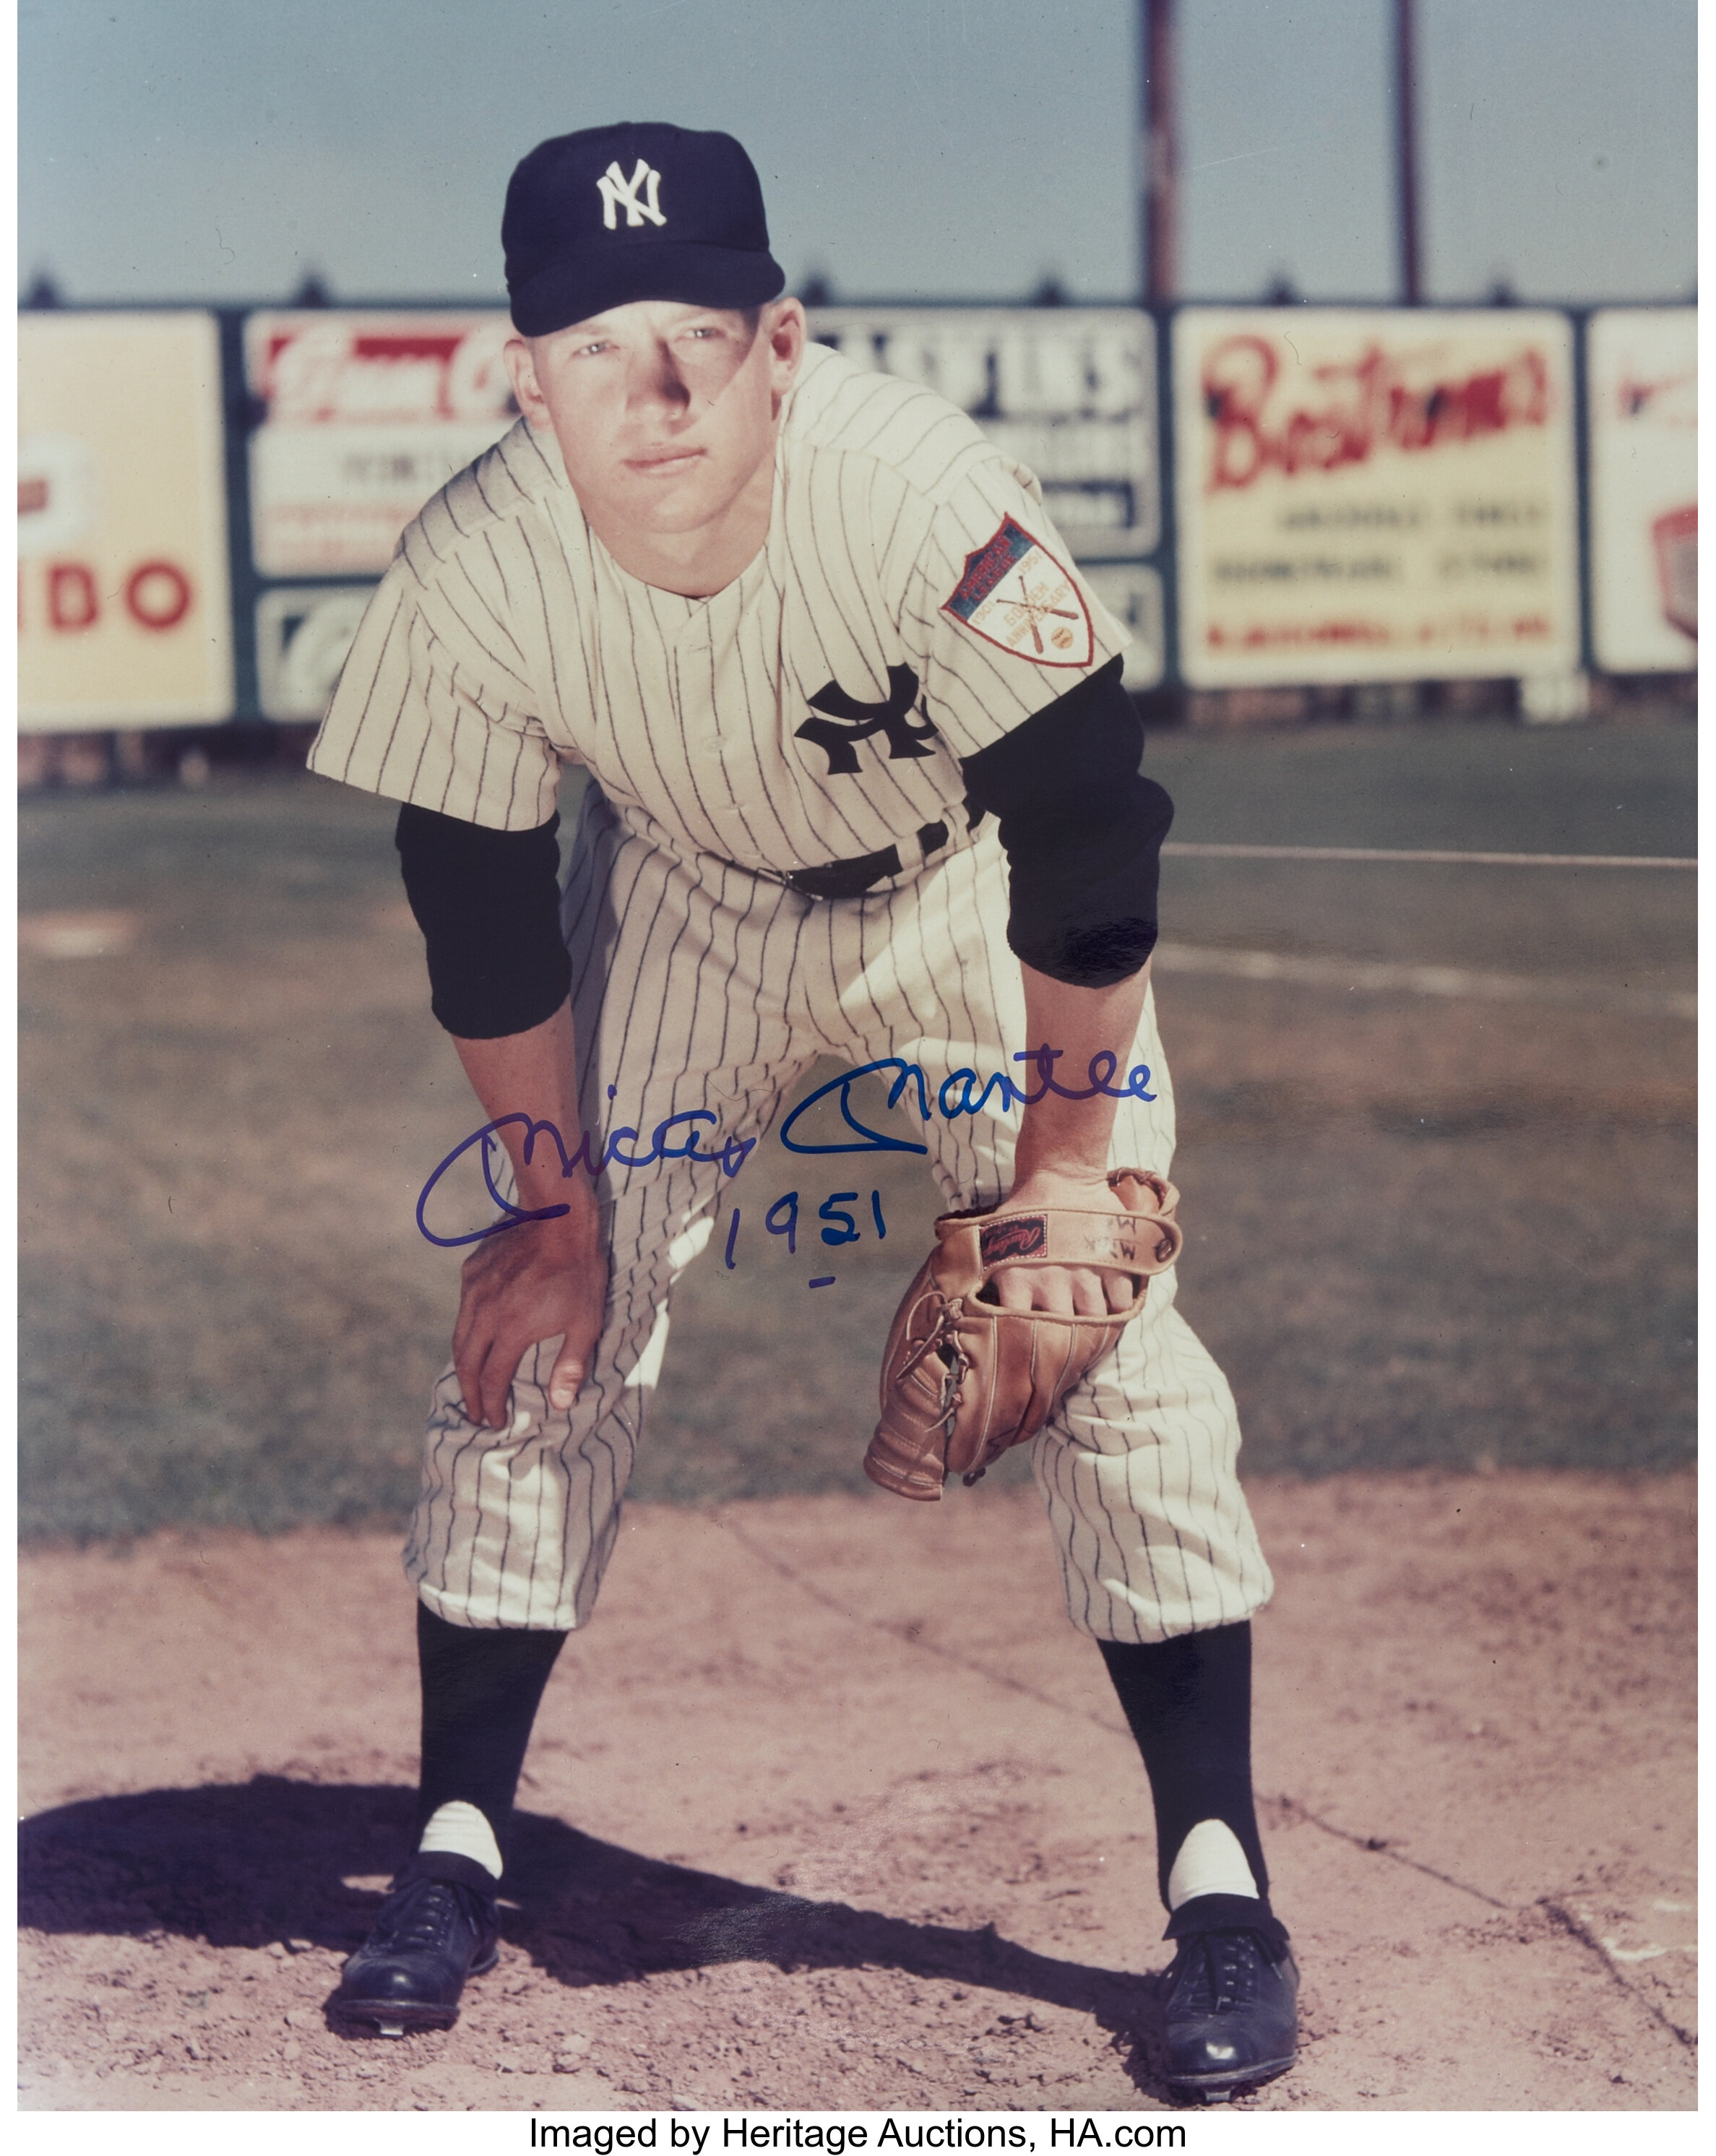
1221, 1971
425, 1915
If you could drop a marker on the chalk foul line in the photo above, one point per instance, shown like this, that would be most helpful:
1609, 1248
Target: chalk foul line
1372, 1844
1437, 854
1376, 977
1576, 1928
1559, 1913
902, 1636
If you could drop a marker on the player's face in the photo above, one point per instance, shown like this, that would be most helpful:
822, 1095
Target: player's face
664, 413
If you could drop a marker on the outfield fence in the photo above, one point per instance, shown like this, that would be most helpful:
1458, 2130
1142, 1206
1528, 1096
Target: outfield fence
1266, 496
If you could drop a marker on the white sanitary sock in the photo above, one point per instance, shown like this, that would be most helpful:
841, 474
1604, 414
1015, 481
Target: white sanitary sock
1210, 1862
459, 1829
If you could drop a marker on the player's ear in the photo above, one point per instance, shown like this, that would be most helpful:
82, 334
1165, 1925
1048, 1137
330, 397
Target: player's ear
784, 325
522, 371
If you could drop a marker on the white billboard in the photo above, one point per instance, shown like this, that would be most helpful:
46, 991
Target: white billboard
1642, 400
365, 417
1373, 495
1068, 392
123, 610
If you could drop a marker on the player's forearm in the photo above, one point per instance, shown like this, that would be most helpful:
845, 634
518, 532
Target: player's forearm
1069, 1139
533, 1073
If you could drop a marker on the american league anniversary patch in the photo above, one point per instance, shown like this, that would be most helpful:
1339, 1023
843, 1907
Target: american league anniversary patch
1015, 594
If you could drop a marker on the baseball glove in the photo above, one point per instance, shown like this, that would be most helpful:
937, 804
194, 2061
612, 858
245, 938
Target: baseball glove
962, 1379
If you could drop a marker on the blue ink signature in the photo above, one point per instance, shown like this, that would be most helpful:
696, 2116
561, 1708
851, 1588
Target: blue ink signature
954, 1097
729, 1159
1102, 1067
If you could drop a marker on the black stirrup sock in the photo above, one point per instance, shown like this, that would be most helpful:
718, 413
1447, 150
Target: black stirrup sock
481, 1693
1188, 1702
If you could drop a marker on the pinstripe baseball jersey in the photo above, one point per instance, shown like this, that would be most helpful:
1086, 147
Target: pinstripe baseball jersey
911, 603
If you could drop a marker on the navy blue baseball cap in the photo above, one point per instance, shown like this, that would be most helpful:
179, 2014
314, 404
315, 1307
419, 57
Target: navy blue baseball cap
638, 211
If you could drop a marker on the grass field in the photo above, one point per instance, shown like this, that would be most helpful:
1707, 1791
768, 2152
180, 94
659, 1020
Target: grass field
1421, 1229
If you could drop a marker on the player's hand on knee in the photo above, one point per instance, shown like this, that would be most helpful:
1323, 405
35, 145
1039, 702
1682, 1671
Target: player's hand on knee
547, 1280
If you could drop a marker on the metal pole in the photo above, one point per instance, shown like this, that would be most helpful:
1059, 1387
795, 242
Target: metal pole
1161, 157
1406, 152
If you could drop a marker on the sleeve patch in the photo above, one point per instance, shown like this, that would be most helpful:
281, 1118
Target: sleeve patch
1015, 594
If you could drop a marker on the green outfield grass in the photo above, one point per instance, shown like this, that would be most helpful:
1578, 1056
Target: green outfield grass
1419, 1231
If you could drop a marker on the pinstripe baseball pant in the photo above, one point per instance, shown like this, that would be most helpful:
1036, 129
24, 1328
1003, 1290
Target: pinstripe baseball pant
698, 986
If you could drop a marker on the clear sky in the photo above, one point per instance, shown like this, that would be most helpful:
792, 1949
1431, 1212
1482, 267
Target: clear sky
910, 149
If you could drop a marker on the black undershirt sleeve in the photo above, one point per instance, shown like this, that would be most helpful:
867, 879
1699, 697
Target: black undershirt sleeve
488, 903
1082, 828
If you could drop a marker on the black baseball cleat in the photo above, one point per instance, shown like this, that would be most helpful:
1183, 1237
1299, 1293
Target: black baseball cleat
1230, 2006
437, 1926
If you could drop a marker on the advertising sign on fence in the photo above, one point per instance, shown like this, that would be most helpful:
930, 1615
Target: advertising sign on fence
124, 612
1362, 495
1642, 394
1132, 591
1069, 391
1373, 495
364, 417
303, 632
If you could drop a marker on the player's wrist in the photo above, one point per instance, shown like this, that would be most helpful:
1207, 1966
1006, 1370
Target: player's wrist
557, 1218
1060, 1181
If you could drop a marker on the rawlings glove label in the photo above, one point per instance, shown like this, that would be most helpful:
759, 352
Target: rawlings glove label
1021, 1235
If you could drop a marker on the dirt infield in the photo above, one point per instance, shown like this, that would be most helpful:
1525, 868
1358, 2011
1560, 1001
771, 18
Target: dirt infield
847, 1819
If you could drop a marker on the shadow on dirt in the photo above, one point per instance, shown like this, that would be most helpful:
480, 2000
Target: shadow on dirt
250, 1864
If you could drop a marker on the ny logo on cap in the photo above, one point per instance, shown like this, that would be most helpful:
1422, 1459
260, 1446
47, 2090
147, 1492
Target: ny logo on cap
618, 192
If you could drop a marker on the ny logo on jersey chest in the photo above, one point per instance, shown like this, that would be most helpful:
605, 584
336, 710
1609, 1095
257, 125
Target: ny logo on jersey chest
849, 722
620, 194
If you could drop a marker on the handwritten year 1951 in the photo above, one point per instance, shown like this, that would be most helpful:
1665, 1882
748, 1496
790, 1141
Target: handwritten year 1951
782, 1218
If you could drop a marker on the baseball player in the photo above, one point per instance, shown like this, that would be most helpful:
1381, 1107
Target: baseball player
863, 783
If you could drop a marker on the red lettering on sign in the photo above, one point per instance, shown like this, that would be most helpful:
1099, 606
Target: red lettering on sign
1358, 408
72, 602
329, 372
1266, 636
1673, 401
157, 595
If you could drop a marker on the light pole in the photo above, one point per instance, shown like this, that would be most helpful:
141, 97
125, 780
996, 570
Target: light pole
1406, 152
1158, 271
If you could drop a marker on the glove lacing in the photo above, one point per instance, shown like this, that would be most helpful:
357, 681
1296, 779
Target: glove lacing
943, 1336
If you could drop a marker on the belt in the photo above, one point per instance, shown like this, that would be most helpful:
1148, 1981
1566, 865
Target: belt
852, 879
